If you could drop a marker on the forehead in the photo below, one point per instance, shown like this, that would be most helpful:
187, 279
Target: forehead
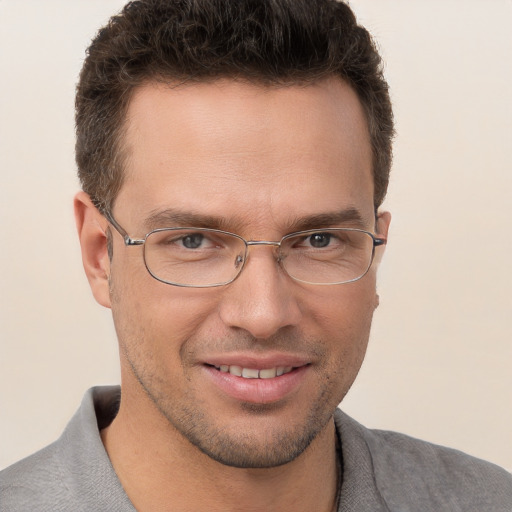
233, 148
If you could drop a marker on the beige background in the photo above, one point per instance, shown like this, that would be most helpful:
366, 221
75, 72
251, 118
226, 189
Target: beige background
439, 363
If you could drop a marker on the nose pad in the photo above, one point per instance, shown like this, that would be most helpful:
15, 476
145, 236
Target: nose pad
239, 260
280, 257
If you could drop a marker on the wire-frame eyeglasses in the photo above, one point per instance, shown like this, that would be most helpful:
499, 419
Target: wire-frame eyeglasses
202, 257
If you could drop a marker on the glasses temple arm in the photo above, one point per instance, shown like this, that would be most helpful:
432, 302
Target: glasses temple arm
126, 237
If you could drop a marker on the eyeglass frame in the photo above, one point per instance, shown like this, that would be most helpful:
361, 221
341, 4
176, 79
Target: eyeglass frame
129, 242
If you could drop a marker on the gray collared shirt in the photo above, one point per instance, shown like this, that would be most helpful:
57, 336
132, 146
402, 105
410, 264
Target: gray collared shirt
382, 471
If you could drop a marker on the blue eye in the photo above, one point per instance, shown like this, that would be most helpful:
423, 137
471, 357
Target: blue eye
192, 241
319, 240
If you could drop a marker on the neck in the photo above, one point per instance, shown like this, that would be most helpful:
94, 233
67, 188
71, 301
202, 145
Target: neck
161, 470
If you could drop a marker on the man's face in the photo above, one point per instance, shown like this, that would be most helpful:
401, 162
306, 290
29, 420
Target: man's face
259, 162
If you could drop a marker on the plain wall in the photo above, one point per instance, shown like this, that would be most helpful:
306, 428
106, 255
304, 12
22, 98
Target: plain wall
439, 362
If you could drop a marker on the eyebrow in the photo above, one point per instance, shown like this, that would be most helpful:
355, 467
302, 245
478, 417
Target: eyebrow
171, 217
340, 218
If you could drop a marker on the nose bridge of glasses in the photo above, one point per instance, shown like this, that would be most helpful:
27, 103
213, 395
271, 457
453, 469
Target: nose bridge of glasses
275, 245
263, 242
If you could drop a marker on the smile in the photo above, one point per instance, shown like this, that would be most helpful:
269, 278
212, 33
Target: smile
253, 373
260, 383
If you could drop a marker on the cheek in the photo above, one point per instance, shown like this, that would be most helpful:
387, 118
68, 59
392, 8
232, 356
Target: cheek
346, 308
152, 315
343, 319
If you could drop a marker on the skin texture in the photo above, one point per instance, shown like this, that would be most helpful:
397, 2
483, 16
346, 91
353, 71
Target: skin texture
256, 159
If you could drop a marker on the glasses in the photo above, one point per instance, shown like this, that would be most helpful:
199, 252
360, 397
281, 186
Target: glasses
202, 258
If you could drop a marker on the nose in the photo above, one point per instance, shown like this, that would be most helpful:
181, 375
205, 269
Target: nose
263, 299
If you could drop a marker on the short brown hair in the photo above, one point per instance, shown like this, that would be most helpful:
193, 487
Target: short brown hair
271, 42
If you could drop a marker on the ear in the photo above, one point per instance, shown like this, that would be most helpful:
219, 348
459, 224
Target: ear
381, 231
382, 224
92, 233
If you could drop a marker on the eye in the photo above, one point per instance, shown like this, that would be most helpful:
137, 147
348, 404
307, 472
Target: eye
189, 240
320, 240
192, 241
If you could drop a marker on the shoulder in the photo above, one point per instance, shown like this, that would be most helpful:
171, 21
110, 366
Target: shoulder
407, 470
73, 473
37, 479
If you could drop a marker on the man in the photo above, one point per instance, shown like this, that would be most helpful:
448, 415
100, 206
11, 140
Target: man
233, 158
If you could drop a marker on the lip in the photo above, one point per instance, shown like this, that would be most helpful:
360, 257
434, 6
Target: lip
257, 391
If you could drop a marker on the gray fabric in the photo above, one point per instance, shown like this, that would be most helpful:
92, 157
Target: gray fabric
387, 471
73, 474
382, 471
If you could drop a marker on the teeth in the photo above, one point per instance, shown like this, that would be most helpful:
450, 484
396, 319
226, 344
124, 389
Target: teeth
235, 370
268, 374
253, 373
249, 373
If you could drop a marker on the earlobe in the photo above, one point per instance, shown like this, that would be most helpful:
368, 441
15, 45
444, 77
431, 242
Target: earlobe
92, 233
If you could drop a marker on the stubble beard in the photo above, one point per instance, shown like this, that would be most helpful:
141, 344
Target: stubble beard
270, 447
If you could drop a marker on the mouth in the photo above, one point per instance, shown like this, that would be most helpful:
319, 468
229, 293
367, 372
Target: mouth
254, 373
257, 383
